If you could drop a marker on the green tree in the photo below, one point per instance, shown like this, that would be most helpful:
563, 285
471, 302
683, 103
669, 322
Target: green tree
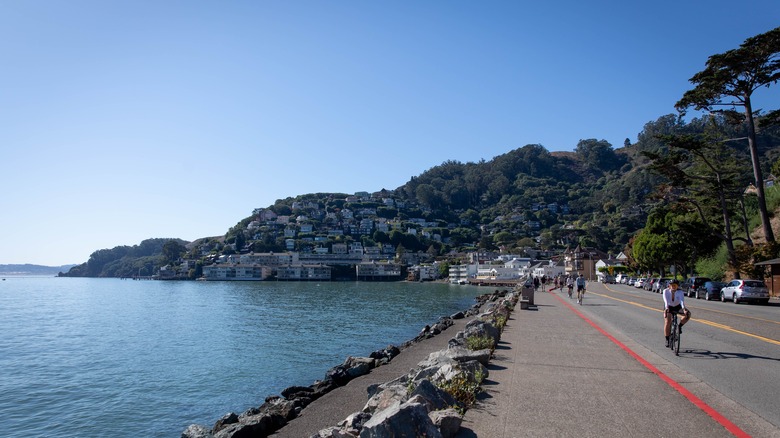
399, 252
598, 154
706, 177
411, 242
730, 79
461, 236
428, 195
471, 216
444, 270
396, 237
172, 250
381, 237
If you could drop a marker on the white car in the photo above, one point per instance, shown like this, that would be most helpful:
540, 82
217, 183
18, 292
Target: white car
639, 282
745, 290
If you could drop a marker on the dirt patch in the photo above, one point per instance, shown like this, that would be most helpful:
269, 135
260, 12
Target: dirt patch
758, 233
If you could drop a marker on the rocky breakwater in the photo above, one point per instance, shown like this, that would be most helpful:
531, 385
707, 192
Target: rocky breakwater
428, 401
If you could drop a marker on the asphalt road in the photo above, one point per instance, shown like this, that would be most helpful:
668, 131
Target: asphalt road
732, 348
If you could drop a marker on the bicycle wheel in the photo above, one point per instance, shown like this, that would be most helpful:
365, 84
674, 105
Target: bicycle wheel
677, 344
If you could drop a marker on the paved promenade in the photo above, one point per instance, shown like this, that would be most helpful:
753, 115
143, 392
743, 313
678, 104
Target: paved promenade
555, 374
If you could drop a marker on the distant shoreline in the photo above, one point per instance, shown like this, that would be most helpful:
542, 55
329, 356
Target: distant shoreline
30, 270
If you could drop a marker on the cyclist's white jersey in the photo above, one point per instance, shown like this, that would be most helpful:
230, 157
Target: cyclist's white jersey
676, 300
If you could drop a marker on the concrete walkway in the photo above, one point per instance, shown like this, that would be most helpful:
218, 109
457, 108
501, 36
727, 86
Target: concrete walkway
555, 374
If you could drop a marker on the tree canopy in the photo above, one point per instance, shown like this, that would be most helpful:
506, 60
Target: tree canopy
729, 79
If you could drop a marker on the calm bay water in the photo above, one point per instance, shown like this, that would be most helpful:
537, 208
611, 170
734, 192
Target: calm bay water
108, 357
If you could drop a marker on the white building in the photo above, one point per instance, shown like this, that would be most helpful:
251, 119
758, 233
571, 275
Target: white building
236, 272
460, 274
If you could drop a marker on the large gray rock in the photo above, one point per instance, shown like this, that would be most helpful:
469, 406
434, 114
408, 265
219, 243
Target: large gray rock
385, 355
387, 397
262, 421
448, 421
351, 368
355, 422
358, 366
226, 419
433, 397
196, 431
457, 354
297, 391
408, 420
473, 370
480, 328
333, 432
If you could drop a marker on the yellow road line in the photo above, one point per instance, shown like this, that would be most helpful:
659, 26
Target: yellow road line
703, 321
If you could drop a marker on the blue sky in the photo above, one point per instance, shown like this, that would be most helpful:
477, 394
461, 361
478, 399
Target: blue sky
126, 120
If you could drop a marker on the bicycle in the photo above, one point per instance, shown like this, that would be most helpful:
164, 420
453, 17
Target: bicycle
580, 295
571, 288
674, 337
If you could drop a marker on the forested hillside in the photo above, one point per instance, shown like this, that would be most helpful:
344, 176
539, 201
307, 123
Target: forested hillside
143, 259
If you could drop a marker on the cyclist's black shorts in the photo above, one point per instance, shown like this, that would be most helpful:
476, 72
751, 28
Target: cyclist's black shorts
677, 309
580, 288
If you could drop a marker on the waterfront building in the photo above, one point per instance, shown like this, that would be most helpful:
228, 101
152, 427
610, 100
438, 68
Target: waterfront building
236, 272
378, 271
304, 273
423, 273
460, 274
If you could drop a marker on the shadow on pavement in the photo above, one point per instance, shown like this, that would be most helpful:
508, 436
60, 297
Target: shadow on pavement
707, 354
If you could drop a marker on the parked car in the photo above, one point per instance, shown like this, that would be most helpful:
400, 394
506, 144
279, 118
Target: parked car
712, 290
692, 287
639, 282
648, 285
745, 291
660, 284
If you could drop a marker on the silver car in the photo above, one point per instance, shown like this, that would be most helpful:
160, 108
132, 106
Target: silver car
745, 291
660, 284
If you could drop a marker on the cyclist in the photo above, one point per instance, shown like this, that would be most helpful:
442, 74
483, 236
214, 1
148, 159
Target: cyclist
674, 302
580, 289
570, 284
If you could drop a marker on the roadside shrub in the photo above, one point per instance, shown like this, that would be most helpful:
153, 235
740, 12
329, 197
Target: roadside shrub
713, 267
463, 390
479, 343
